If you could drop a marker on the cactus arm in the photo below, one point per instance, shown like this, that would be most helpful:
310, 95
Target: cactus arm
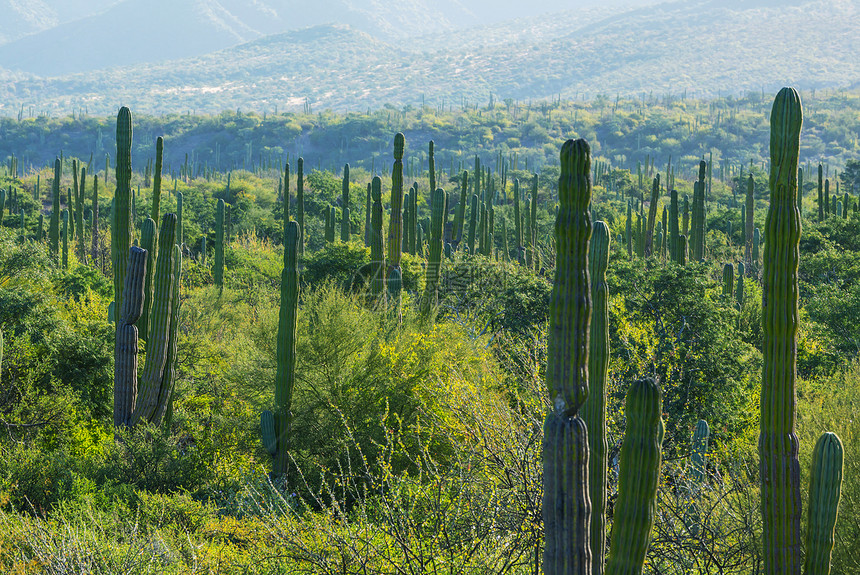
125, 347
594, 408
825, 487
639, 474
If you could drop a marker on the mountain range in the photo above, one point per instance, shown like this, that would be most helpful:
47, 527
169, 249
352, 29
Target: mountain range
199, 55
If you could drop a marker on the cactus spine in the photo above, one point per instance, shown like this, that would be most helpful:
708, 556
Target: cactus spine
594, 408
219, 245
121, 228
125, 347
286, 374
566, 505
778, 444
825, 487
639, 474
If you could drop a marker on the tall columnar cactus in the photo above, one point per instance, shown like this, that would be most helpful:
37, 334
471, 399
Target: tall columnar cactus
156, 182
434, 255
825, 489
344, 220
79, 217
674, 228
218, 272
460, 217
152, 393
54, 226
778, 443
286, 374
300, 202
65, 239
395, 225
686, 217
367, 204
377, 243
699, 226
749, 224
699, 451
728, 280
473, 216
628, 230
739, 291
180, 229
527, 232
826, 198
566, 504
431, 162
639, 474
682, 250
652, 215
121, 224
534, 226
165, 408
125, 347
820, 193
286, 195
594, 409
147, 242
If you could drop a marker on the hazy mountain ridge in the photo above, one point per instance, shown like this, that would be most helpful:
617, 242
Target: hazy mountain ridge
704, 47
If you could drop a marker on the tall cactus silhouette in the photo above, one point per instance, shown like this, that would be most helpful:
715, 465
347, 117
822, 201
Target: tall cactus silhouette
749, 223
300, 202
566, 504
377, 243
125, 347
54, 225
344, 220
395, 225
778, 443
156, 181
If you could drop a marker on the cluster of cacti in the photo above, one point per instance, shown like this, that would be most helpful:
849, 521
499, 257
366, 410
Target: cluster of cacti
275, 427
125, 347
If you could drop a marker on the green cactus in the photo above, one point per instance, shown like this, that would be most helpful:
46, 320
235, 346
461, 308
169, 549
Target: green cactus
344, 221
125, 347
566, 504
639, 474
699, 229
686, 217
779, 466
156, 182
377, 243
65, 239
460, 216
820, 193
286, 195
121, 223
825, 487
756, 244
628, 230
739, 291
180, 228
431, 161
652, 215
728, 280
682, 250
300, 202
54, 225
165, 409
152, 394
395, 225
218, 272
434, 256
749, 225
827, 198
147, 242
473, 215
367, 204
800, 190
594, 408
267, 429
674, 228
699, 451
286, 374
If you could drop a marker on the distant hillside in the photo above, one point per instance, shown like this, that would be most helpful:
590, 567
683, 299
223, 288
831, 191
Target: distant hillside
702, 47
23, 17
